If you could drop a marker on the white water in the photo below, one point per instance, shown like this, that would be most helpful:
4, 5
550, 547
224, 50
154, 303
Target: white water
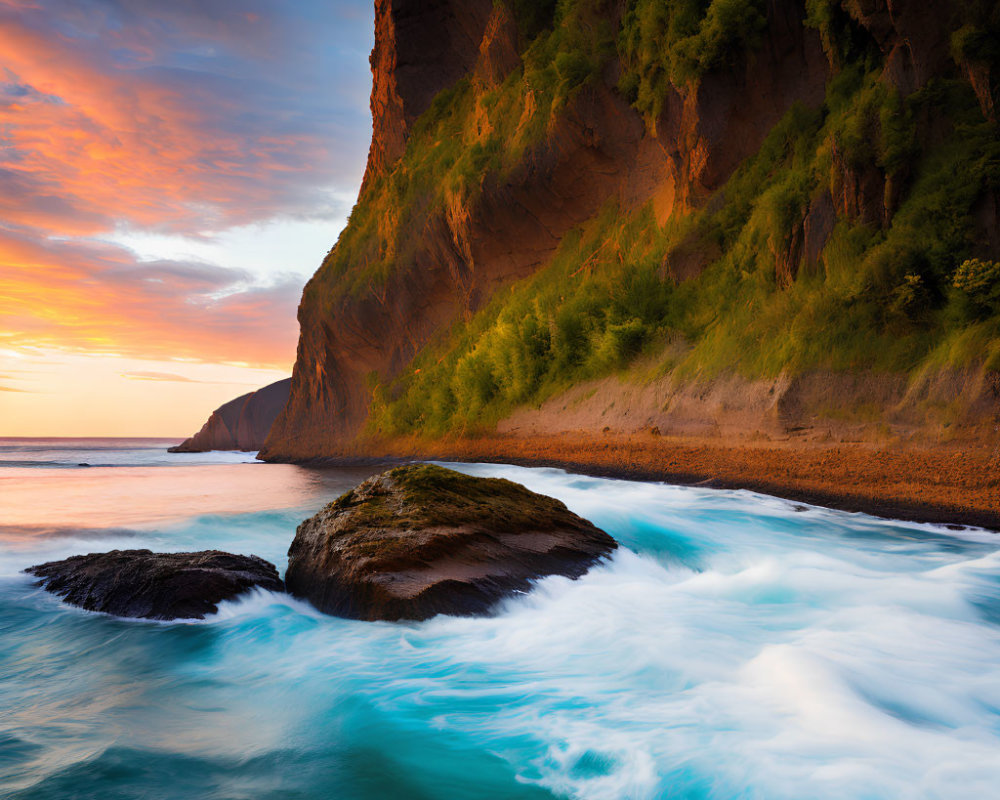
734, 647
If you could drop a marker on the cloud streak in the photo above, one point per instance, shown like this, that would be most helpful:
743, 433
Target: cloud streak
172, 377
99, 298
174, 117
166, 377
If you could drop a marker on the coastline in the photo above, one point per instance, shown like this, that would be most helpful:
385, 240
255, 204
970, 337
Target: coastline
943, 485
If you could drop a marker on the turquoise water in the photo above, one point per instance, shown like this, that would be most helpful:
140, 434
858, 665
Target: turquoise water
737, 646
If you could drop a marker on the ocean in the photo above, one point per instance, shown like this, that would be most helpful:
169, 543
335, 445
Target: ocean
736, 646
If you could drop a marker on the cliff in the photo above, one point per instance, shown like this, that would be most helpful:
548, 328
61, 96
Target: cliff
757, 217
240, 424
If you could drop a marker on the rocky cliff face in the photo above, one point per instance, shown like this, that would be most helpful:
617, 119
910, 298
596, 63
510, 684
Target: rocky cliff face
240, 424
420, 49
452, 255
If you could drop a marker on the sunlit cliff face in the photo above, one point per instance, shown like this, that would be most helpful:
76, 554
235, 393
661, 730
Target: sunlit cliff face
169, 175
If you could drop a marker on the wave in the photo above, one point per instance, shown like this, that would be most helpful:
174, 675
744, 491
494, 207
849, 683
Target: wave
734, 647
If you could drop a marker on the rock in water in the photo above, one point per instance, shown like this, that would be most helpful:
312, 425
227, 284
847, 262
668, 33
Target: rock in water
140, 583
422, 540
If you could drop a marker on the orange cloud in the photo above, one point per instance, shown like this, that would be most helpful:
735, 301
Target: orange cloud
100, 299
146, 375
128, 117
87, 148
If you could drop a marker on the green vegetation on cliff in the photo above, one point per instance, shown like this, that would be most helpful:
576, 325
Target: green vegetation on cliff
896, 182
671, 44
472, 131
885, 299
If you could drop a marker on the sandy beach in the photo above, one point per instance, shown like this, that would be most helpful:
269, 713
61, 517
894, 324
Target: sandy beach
948, 485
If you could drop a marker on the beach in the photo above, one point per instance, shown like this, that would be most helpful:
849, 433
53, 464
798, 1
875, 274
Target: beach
956, 485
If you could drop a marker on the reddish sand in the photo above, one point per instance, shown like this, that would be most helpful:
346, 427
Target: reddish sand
951, 486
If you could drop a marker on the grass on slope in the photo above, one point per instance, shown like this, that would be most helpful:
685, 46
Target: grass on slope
471, 131
891, 299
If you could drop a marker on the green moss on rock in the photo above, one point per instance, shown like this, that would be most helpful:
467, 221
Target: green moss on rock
422, 540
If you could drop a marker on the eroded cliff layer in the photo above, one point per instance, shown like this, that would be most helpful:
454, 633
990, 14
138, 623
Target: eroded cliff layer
735, 193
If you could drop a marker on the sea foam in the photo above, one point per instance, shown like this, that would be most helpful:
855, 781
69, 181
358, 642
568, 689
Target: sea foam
735, 646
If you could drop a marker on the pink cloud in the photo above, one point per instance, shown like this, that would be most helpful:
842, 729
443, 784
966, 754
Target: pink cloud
183, 117
86, 148
99, 298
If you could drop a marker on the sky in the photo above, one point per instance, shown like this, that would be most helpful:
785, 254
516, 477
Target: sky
171, 174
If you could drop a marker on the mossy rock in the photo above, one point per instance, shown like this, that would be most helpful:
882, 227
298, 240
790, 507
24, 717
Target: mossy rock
422, 540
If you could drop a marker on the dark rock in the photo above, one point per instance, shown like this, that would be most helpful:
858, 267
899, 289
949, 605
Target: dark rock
858, 191
787, 254
423, 540
986, 216
913, 37
140, 583
984, 84
420, 48
498, 51
816, 231
240, 424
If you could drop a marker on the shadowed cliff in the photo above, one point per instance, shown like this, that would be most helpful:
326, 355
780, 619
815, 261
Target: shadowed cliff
240, 424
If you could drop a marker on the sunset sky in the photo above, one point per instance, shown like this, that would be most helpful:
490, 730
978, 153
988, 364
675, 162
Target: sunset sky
171, 173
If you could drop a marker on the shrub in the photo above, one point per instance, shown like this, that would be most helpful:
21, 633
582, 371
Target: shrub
573, 68
664, 42
979, 282
730, 29
971, 44
620, 343
909, 298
